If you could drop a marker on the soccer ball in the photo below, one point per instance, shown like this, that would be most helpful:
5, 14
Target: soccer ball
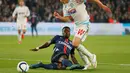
22, 67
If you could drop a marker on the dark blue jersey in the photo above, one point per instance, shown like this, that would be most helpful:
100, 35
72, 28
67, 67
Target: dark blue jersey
62, 45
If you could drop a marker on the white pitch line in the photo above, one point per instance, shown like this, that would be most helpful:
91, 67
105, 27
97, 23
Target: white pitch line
17, 59
47, 61
114, 64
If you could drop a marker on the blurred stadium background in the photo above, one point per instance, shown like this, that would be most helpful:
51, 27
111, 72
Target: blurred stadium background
45, 9
109, 36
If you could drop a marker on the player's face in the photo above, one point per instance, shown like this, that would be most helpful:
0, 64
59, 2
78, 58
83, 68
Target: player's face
66, 32
64, 1
21, 3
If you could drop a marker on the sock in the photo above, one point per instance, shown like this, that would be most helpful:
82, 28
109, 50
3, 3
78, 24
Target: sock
82, 49
19, 37
34, 66
66, 63
84, 58
49, 66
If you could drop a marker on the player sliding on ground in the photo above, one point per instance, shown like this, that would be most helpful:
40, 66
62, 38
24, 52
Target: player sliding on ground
76, 9
22, 13
61, 51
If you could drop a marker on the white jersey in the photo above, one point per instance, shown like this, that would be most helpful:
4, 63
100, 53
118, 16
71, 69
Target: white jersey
76, 9
22, 13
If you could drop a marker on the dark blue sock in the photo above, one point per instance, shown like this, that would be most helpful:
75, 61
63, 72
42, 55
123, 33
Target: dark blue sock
66, 63
48, 66
33, 66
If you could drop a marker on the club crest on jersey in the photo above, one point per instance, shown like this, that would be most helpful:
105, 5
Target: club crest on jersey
72, 11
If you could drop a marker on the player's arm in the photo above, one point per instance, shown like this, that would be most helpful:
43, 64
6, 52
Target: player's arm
100, 4
45, 45
74, 60
27, 12
14, 13
62, 18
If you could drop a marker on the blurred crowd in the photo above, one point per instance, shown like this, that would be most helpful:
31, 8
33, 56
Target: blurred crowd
120, 12
45, 8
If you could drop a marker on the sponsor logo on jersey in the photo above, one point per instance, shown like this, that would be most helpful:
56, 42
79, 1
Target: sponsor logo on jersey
72, 11
66, 44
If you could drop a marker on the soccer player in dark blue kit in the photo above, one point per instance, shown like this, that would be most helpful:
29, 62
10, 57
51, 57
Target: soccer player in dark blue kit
62, 49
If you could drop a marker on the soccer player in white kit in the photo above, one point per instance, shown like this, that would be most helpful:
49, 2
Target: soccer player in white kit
22, 12
76, 9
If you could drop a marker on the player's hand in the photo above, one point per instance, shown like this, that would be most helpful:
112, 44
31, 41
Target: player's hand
34, 49
107, 9
56, 15
14, 17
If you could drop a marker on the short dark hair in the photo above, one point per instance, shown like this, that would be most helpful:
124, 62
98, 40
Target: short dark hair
65, 27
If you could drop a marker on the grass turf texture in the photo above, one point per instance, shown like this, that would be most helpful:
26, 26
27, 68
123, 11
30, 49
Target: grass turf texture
112, 54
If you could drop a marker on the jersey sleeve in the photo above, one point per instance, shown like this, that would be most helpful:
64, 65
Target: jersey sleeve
15, 12
27, 12
54, 39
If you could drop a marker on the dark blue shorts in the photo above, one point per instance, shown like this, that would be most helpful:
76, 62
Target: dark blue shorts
55, 57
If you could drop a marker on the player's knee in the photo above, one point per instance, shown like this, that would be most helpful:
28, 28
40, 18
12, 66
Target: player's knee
75, 44
76, 41
24, 31
66, 62
19, 32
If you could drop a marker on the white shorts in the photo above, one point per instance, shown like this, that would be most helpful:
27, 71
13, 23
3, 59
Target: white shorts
81, 32
21, 25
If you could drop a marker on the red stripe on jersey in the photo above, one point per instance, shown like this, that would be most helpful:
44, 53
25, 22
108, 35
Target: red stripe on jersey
65, 47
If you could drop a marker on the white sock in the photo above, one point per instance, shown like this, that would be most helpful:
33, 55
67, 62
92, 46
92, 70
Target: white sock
19, 37
85, 51
84, 58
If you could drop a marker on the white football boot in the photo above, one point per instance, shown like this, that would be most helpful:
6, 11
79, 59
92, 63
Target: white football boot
87, 66
94, 61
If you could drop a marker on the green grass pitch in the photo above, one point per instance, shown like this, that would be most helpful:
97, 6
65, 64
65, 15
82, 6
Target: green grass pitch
113, 54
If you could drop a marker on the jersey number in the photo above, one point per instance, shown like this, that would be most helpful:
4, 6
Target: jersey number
81, 31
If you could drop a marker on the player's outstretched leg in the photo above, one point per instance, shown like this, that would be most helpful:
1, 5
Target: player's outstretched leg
67, 63
34, 66
91, 56
76, 66
45, 66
